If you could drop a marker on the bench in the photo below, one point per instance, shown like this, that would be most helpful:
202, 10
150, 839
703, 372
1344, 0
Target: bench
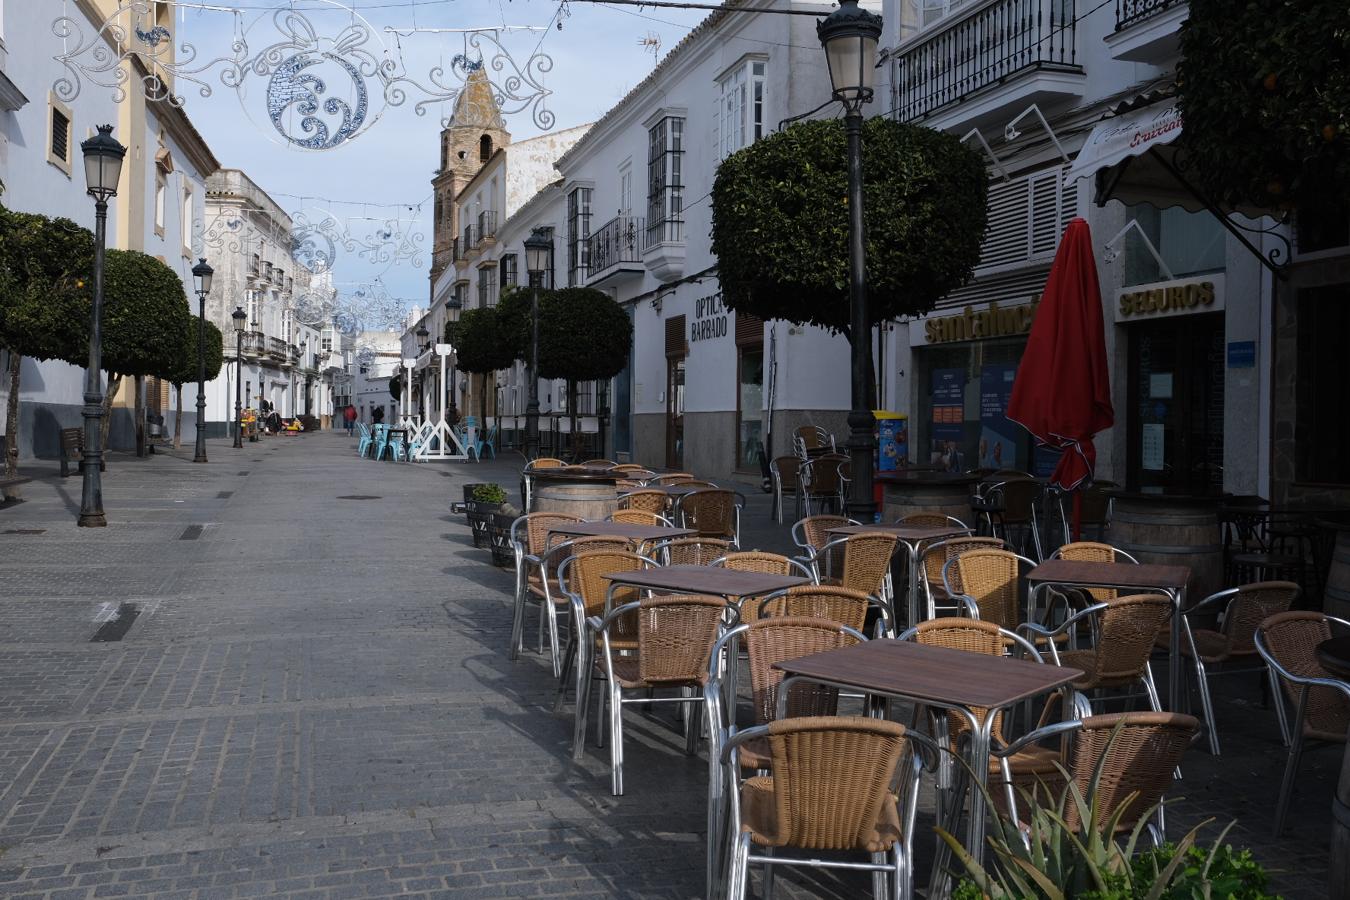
72, 450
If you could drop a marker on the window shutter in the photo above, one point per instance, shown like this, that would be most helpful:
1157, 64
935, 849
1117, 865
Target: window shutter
717, 128
749, 329
60, 135
1046, 213
1026, 217
676, 343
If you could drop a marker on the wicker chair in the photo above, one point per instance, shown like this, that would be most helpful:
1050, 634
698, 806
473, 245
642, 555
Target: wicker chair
831, 789
764, 563
713, 513
836, 604
819, 482
675, 637
931, 520
530, 543
1126, 629
767, 641
937, 555
589, 593
812, 533
1241, 610
1016, 500
697, 483
989, 584
1091, 551
691, 551
811, 440
785, 472
1133, 757
673, 478
1288, 642
600, 464
647, 500
866, 563
639, 517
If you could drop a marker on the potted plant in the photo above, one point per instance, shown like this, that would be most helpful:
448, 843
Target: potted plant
484, 500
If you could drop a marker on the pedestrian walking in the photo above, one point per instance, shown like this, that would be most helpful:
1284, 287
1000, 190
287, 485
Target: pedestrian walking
377, 415
349, 418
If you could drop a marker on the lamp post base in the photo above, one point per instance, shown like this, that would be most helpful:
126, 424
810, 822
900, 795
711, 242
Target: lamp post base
93, 520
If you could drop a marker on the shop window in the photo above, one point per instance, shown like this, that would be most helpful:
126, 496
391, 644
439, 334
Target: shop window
1321, 427
750, 391
1187, 243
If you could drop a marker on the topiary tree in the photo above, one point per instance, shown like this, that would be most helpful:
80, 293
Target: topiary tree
185, 367
584, 335
1265, 92
482, 347
44, 304
780, 222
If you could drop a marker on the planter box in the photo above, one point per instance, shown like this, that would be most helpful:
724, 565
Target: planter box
499, 538
480, 514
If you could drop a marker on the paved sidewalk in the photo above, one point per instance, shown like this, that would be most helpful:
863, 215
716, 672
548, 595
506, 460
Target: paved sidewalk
313, 699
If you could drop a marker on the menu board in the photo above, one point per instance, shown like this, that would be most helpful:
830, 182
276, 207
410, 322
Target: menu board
947, 428
998, 435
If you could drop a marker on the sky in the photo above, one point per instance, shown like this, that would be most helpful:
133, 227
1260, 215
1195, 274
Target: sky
378, 181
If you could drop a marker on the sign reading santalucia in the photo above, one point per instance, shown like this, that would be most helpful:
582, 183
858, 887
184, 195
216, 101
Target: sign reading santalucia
710, 318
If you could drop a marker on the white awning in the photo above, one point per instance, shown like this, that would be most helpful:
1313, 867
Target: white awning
1118, 138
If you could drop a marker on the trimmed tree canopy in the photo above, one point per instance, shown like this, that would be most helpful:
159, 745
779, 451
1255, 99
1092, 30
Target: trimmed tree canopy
44, 300
584, 335
483, 345
1265, 92
513, 313
185, 370
780, 221
145, 312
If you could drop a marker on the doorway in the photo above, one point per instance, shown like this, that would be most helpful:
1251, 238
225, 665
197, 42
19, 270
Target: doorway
675, 412
1176, 406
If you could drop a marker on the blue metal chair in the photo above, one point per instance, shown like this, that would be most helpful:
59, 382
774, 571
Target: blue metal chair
381, 440
488, 444
363, 445
398, 449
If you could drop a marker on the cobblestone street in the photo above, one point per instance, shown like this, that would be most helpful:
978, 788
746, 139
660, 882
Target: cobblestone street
313, 699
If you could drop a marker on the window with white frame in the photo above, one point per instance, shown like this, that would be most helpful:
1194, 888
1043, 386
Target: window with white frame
161, 189
187, 222
918, 15
740, 107
665, 180
626, 188
286, 325
251, 304
578, 229
487, 287
460, 295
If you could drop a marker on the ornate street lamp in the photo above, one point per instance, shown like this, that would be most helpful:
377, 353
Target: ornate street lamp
240, 317
538, 260
201, 278
102, 168
849, 36
422, 344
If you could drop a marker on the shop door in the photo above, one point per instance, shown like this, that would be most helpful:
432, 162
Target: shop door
675, 412
1176, 406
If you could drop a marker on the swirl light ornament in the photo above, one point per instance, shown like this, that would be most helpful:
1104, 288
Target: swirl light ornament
320, 89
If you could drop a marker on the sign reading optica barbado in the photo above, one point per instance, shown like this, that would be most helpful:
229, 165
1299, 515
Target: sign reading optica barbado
1184, 296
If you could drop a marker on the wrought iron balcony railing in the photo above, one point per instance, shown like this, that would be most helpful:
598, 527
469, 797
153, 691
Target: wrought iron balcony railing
254, 343
665, 231
620, 240
487, 225
278, 349
1132, 12
987, 46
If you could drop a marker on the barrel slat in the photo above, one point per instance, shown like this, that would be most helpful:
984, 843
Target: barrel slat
1154, 531
589, 500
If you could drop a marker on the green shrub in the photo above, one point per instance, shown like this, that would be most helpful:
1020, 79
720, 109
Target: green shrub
489, 493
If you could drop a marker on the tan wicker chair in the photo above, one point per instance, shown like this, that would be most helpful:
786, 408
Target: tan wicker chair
600, 464
930, 520
820, 482
1091, 551
1241, 610
639, 517
840, 605
673, 478
937, 555
530, 542
1137, 755
830, 790
691, 551
767, 641
989, 584
546, 462
866, 563
675, 637
785, 471
811, 440
1288, 642
650, 501
712, 512
812, 533
764, 563
1126, 629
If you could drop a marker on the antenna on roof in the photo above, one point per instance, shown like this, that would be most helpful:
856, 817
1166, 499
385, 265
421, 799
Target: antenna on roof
651, 44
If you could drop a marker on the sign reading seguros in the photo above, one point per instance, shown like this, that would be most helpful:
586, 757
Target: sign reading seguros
1170, 298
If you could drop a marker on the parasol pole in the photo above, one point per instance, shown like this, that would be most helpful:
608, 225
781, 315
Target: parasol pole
1077, 512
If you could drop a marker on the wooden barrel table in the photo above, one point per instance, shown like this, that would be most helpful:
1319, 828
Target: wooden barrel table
1172, 530
586, 493
925, 492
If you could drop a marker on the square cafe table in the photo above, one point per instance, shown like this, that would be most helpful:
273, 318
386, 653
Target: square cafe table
620, 529
727, 583
1169, 580
955, 680
911, 536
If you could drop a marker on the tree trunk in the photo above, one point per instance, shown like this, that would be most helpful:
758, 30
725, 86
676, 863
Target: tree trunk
12, 424
138, 385
572, 414
482, 406
178, 419
114, 382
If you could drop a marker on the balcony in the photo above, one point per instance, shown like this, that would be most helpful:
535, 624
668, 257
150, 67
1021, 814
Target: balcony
253, 344
614, 251
985, 66
469, 241
278, 349
487, 226
664, 251
1148, 31
458, 250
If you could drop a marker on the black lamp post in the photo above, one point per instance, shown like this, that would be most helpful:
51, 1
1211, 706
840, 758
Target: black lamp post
201, 276
239, 317
538, 260
102, 168
849, 36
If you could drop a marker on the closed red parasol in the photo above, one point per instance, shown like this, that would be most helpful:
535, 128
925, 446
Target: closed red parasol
1062, 393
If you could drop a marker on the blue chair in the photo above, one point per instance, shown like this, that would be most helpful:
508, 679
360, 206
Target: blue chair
397, 449
381, 440
363, 445
488, 443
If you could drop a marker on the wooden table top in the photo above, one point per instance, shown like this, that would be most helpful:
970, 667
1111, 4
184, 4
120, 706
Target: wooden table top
707, 580
904, 532
1334, 654
620, 529
674, 490
932, 674
1110, 574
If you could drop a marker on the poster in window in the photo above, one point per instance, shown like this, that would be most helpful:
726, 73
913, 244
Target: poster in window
948, 423
998, 435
